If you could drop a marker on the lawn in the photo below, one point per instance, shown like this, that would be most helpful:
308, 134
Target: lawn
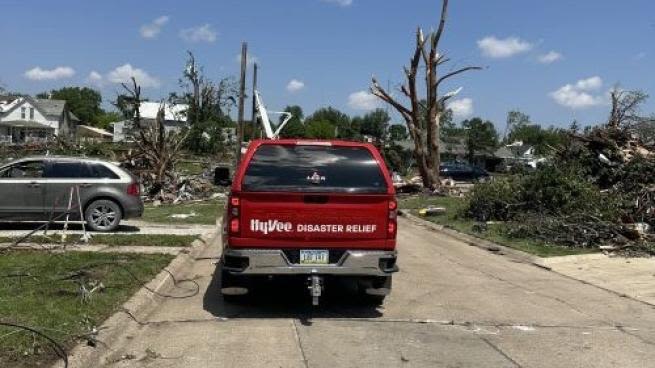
453, 219
40, 290
190, 167
158, 240
202, 212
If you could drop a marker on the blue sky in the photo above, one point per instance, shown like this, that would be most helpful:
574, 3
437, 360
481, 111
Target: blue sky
554, 60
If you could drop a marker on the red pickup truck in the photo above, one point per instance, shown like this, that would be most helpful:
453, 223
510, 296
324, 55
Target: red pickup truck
312, 209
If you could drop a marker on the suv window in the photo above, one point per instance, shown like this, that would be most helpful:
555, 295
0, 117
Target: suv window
26, 169
68, 170
99, 171
314, 169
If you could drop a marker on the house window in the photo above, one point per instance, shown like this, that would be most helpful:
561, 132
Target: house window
22, 113
31, 113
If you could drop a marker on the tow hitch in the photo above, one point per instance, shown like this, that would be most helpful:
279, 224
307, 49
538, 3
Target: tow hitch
315, 288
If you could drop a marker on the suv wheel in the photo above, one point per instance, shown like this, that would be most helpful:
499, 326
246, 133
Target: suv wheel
103, 215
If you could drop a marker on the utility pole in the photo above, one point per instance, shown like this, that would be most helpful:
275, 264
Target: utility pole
242, 96
254, 102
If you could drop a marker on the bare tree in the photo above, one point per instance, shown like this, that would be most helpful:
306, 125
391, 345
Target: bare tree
423, 116
625, 107
159, 148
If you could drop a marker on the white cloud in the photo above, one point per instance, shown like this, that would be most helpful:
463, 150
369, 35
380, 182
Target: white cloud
95, 78
581, 94
462, 108
124, 73
151, 30
59, 72
550, 57
342, 3
204, 33
363, 100
295, 85
503, 48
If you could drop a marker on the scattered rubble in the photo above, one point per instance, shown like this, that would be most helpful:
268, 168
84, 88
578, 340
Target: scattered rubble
599, 194
175, 187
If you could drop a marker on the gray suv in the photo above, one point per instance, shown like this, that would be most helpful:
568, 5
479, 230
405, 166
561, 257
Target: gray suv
34, 188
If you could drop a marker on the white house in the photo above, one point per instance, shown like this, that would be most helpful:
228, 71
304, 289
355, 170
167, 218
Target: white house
26, 120
175, 118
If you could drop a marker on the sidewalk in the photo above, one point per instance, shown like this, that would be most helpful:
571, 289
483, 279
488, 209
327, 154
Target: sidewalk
632, 277
9, 229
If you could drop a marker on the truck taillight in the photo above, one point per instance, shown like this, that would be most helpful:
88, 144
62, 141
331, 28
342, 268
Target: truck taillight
134, 189
391, 229
234, 225
234, 205
393, 215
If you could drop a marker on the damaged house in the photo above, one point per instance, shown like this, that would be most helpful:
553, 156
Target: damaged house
26, 120
175, 118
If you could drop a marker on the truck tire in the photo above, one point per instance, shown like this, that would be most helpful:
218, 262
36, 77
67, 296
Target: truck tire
103, 215
383, 282
228, 281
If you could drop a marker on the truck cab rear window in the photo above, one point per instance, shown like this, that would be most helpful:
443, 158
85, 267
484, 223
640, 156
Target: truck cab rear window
278, 168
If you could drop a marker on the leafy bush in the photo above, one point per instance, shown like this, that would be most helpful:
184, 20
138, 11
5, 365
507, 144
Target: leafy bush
548, 191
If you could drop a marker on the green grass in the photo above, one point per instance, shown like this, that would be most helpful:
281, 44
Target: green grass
190, 167
206, 212
46, 299
158, 240
454, 220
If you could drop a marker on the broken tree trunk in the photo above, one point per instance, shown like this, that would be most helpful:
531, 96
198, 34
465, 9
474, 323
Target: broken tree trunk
423, 119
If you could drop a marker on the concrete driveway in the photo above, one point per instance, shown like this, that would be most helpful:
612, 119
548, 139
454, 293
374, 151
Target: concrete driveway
453, 305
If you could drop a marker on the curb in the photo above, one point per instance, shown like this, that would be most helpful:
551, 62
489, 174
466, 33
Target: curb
478, 242
139, 305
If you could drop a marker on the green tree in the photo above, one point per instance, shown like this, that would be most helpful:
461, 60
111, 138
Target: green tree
375, 123
320, 129
574, 127
336, 118
481, 136
541, 139
208, 103
105, 119
397, 132
515, 120
295, 127
84, 102
450, 132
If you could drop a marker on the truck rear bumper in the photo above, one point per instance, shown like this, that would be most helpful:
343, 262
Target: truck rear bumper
276, 262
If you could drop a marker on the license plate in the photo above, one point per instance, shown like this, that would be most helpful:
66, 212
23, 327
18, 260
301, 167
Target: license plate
314, 257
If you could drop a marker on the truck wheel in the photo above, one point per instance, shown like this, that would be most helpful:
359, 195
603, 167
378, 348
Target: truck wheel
103, 215
383, 282
230, 281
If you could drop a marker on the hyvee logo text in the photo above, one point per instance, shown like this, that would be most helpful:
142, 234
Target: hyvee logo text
270, 226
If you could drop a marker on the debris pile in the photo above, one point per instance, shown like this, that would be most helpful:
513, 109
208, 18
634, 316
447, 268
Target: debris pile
598, 191
173, 187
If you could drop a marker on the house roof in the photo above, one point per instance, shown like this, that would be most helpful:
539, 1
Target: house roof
172, 112
46, 107
511, 152
93, 131
51, 107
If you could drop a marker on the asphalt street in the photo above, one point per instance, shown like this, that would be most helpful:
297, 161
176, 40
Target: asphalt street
453, 305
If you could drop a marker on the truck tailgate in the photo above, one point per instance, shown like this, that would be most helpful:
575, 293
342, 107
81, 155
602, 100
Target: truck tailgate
302, 219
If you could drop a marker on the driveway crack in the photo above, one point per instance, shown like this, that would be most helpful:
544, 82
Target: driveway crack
501, 352
300, 347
